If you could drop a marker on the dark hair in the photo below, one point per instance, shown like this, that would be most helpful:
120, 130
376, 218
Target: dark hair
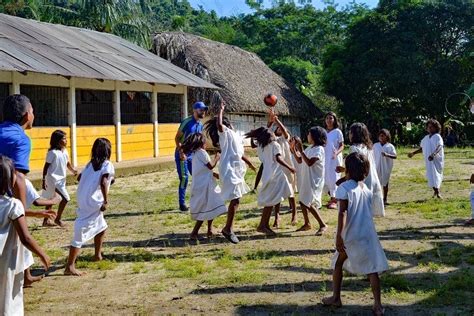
435, 124
262, 135
56, 137
7, 170
101, 151
193, 142
386, 132
319, 136
357, 166
359, 134
15, 107
211, 128
336, 120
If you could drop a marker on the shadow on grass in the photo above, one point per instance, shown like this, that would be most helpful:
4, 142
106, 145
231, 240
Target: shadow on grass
423, 233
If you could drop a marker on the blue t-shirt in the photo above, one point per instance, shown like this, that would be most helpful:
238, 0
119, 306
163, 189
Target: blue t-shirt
16, 145
188, 127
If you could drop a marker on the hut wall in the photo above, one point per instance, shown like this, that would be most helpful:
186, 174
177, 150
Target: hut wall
86, 135
167, 133
40, 137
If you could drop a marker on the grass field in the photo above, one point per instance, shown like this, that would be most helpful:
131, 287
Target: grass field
150, 267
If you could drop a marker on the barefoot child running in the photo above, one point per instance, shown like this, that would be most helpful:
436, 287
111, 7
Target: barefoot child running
311, 179
384, 154
92, 202
231, 167
432, 147
14, 238
206, 202
333, 156
54, 174
275, 186
358, 247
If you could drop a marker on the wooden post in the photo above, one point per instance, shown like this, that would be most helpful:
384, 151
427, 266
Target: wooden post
72, 119
184, 110
118, 124
15, 85
154, 110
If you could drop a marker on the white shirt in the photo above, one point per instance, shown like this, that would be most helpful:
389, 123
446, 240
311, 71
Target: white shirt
31, 194
384, 164
311, 184
89, 194
58, 160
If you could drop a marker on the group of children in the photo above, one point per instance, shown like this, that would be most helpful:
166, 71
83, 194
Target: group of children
17, 195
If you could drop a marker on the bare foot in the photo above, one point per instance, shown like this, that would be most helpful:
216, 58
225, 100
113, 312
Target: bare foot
211, 234
378, 310
265, 230
71, 270
276, 224
321, 230
304, 228
293, 221
60, 223
48, 223
332, 301
28, 281
194, 237
98, 258
469, 222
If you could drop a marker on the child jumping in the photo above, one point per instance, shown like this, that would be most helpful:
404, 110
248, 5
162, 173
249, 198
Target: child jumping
206, 202
384, 154
432, 147
333, 156
54, 174
14, 238
311, 179
231, 167
92, 202
358, 247
275, 186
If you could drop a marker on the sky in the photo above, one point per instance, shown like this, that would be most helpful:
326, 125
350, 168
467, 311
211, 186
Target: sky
235, 7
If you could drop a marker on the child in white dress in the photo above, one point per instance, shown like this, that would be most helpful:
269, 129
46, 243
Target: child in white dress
14, 238
470, 221
92, 202
432, 147
54, 174
231, 167
384, 154
333, 156
275, 186
311, 178
206, 202
359, 137
358, 247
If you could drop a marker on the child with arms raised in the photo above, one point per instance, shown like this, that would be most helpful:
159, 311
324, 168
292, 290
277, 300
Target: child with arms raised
54, 174
311, 178
384, 154
275, 186
432, 147
206, 202
92, 200
231, 167
14, 238
358, 247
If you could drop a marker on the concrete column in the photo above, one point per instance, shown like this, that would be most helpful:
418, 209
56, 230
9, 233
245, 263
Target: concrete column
72, 120
15, 85
184, 102
118, 124
154, 110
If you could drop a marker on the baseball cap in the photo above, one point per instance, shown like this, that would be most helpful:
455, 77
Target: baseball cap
199, 106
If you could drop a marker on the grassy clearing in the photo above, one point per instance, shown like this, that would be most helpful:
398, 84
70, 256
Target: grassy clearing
155, 269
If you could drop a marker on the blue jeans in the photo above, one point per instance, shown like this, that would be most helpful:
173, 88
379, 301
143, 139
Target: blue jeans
184, 169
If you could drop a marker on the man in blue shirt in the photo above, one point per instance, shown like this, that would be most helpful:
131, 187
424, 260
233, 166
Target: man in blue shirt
188, 126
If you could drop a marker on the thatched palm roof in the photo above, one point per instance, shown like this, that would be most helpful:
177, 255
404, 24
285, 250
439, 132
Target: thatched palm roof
243, 78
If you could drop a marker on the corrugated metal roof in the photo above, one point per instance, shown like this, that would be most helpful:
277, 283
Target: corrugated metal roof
28, 45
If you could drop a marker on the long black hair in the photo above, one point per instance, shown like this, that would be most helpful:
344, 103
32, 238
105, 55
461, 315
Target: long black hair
101, 151
336, 120
7, 170
211, 128
319, 135
262, 135
56, 138
193, 142
357, 166
359, 134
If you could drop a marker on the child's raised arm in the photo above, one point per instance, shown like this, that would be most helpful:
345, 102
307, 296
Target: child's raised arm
212, 165
283, 163
343, 205
220, 126
271, 118
284, 131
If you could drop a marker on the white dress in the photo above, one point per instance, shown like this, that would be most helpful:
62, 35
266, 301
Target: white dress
206, 202
90, 219
364, 251
311, 179
287, 157
11, 258
334, 139
31, 196
372, 180
434, 168
231, 166
275, 186
56, 176
384, 164
297, 175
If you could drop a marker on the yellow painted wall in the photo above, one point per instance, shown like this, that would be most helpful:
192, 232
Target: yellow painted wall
40, 137
166, 134
86, 135
137, 141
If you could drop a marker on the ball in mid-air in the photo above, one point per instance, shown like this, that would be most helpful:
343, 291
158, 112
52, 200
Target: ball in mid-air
270, 99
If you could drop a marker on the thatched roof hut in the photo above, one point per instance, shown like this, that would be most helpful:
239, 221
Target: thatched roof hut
243, 78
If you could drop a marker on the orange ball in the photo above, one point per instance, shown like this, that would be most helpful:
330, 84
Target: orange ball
270, 100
